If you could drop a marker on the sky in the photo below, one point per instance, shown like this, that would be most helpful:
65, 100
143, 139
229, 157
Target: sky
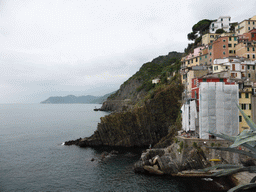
87, 47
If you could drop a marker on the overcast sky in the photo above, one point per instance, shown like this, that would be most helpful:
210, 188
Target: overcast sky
81, 47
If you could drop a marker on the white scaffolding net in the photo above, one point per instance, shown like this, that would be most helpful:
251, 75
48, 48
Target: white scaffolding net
217, 110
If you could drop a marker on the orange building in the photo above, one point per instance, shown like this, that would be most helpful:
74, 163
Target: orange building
222, 47
250, 36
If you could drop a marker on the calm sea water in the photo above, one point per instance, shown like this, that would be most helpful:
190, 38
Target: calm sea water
32, 157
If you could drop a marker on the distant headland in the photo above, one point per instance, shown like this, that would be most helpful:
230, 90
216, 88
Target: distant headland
72, 99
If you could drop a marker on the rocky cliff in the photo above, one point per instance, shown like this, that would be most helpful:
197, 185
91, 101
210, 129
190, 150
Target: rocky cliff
142, 125
137, 87
145, 113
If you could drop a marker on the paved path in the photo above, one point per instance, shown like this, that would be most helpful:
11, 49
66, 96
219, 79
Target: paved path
243, 177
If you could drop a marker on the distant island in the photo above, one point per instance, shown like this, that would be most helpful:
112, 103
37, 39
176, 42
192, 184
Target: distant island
71, 99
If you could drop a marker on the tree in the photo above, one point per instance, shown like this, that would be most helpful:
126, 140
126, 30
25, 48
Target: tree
202, 26
220, 31
192, 36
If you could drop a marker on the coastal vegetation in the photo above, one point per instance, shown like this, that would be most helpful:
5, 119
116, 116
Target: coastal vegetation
145, 124
138, 86
198, 30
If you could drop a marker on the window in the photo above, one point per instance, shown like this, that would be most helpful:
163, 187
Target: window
204, 80
253, 56
221, 19
210, 60
253, 49
234, 38
248, 67
240, 95
210, 53
253, 22
253, 67
211, 36
248, 56
224, 53
229, 45
250, 106
243, 107
213, 25
249, 75
230, 51
247, 95
248, 49
196, 59
240, 118
253, 34
205, 56
249, 28
224, 40
234, 51
224, 46
230, 38
200, 58
249, 22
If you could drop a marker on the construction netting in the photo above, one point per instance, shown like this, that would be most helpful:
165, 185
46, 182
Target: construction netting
217, 110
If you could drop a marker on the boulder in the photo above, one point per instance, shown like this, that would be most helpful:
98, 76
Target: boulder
153, 170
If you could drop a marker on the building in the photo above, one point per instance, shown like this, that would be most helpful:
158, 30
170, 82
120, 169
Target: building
188, 75
222, 47
246, 50
204, 58
195, 83
247, 37
156, 81
246, 25
209, 38
245, 102
218, 112
192, 59
222, 22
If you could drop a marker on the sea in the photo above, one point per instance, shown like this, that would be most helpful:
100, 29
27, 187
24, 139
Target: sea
33, 157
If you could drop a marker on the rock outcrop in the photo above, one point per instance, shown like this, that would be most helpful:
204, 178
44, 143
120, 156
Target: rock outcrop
140, 126
165, 161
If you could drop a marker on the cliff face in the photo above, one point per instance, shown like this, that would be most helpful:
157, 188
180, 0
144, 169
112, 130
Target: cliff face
136, 87
143, 125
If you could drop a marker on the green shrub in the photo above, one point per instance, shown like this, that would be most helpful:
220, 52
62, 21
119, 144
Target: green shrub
194, 145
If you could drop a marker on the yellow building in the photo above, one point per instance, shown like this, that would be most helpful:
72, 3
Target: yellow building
246, 50
209, 38
246, 25
232, 42
245, 98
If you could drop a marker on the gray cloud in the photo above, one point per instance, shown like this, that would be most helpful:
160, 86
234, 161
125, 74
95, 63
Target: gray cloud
51, 48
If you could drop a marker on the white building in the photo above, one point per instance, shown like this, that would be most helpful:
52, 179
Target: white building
222, 22
156, 81
236, 68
